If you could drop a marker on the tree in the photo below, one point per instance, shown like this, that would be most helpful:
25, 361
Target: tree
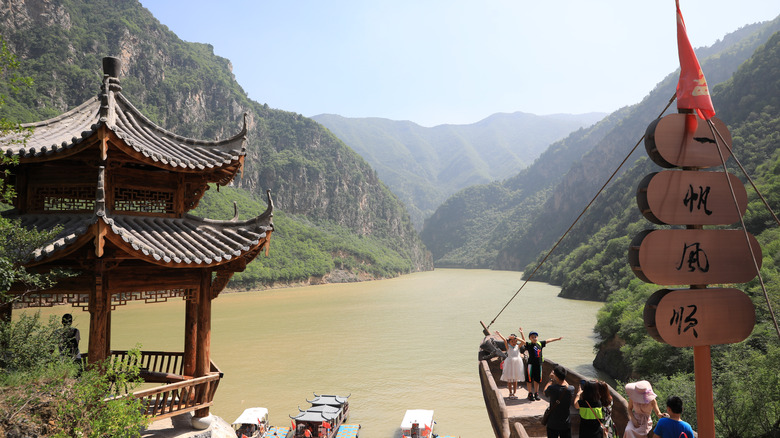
16, 242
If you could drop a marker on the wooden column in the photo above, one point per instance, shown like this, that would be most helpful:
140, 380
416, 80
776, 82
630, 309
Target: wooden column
203, 355
190, 335
108, 326
99, 308
705, 411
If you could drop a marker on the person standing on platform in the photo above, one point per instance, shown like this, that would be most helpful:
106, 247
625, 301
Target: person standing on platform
535, 359
588, 402
513, 371
641, 405
673, 426
560, 395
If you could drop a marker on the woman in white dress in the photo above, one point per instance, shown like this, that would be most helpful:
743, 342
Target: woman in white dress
514, 370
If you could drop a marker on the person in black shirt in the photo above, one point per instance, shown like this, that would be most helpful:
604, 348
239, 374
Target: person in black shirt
557, 390
534, 376
69, 341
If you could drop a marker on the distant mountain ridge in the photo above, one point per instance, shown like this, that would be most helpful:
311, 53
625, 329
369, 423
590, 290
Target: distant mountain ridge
423, 166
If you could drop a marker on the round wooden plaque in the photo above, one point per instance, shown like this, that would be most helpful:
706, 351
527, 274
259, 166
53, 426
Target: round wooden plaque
694, 317
689, 197
669, 144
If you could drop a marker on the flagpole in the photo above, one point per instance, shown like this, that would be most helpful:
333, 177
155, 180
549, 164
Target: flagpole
693, 96
705, 410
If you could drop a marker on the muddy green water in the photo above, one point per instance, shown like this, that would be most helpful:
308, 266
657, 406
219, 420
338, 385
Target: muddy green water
404, 343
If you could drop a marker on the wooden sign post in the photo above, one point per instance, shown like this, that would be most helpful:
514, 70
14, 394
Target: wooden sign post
697, 317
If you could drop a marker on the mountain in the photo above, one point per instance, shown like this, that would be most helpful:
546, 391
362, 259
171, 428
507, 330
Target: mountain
424, 166
514, 222
315, 179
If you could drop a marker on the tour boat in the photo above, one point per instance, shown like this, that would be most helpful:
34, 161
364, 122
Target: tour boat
417, 423
252, 423
325, 418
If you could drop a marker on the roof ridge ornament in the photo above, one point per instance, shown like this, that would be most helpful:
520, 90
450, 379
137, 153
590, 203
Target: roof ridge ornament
111, 68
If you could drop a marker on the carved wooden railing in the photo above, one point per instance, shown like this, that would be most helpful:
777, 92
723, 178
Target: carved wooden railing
179, 394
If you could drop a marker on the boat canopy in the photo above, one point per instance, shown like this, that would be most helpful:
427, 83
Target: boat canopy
330, 400
423, 417
322, 408
253, 416
315, 417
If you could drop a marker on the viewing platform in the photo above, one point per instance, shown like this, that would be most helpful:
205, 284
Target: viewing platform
520, 417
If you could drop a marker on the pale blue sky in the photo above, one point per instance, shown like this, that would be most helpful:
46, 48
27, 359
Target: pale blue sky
451, 61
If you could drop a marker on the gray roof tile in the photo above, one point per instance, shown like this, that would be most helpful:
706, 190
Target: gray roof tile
110, 108
190, 240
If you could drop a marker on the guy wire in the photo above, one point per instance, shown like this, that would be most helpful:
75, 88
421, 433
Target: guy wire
530, 276
713, 129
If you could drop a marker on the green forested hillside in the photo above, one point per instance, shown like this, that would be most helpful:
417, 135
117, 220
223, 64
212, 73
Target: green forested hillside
303, 251
315, 179
424, 166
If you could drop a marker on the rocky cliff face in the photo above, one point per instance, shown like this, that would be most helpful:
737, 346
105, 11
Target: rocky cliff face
185, 88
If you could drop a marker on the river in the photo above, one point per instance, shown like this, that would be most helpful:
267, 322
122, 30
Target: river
405, 343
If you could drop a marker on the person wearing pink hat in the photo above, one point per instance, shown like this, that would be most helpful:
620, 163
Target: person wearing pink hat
641, 405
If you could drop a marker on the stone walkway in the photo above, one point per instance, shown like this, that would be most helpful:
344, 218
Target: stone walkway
180, 426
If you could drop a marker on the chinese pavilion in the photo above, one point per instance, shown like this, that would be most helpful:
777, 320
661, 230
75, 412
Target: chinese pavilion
119, 186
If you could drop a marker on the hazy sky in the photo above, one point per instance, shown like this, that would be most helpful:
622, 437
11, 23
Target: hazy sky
451, 61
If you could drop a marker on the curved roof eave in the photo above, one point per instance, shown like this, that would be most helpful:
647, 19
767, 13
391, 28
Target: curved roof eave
56, 136
160, 147
65, 134
174, 242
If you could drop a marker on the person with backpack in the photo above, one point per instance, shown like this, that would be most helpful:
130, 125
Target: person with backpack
535, 359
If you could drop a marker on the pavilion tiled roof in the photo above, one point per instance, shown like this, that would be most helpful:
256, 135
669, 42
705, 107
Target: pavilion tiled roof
187, 241
141, 136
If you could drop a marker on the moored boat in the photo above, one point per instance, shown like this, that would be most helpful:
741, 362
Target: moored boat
252, 423
417, 423
323, 419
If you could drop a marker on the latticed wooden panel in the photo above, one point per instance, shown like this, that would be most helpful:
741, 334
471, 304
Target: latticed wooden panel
152, 296
49, 300
117, 299
59, 198
143, 201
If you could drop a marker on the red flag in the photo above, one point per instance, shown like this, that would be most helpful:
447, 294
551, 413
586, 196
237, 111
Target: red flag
427, 430
692, 90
